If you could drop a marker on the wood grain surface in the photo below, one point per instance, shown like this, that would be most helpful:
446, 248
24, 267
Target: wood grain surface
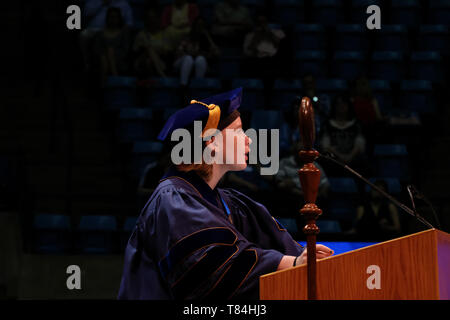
411, 267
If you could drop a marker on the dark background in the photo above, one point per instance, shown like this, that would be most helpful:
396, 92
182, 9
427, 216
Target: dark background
65, 149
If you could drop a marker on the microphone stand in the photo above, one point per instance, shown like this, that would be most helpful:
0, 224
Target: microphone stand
412, 190
388, 196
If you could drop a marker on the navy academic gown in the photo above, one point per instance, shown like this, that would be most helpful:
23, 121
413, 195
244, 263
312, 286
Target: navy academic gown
191, 242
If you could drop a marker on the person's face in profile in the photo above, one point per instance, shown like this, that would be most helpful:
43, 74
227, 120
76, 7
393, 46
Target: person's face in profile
232, 146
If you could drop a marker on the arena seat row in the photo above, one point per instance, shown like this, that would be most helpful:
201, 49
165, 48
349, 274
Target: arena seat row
329, 12
53, 234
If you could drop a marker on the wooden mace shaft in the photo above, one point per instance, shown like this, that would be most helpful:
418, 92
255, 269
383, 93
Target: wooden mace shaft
311, 267
309, 177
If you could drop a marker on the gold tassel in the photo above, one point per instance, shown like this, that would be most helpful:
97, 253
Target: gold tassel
213, 117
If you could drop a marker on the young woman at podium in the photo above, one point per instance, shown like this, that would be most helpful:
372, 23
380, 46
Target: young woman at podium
194, 240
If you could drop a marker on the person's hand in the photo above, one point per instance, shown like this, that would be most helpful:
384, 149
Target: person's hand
321, 252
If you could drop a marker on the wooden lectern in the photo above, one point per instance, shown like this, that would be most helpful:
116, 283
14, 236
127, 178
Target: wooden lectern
413, 267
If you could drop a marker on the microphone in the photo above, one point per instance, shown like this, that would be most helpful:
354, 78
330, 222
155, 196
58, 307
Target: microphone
419, 195
415, 192
332, 157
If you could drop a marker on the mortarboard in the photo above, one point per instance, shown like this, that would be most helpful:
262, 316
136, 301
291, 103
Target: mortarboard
215, 112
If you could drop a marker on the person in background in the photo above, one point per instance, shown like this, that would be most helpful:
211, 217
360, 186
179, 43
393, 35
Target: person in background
112, 45
261, 46
177, 19
288, 183
151, 175
94, 20
151, 48
320, 101
231, 21
342, 134
262, 55
194, 51
366, 106
367, 111
377, 219
289, 131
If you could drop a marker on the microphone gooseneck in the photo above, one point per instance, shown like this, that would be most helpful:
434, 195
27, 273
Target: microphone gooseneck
331, 157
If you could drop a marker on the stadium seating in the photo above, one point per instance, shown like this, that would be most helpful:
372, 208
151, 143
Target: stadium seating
288, 12
253, 96
348, 65
331, 87
135, 124
358, 13
265, 119
426, 65
204, 87
285, 92
328, 12
342, 199
439, 12
97, 234
417, 96
309, 37
391, 38
394, 185
392, 161
383, 93
144, 152
51, 233
120, 92
310, 61
350, 37
387, 65
163, 93
406, 12
433, 37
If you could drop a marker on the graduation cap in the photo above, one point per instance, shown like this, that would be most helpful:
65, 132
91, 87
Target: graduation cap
215, 112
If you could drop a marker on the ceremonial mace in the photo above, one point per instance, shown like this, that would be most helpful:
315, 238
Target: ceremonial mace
309, 178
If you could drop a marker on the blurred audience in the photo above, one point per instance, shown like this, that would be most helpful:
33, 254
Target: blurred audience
262, 57
287, 179
151, 176
231, 22
177, 19
367, 111
320, 101
364, 102
194, 52
261, 48
151, 48
94, 20
112, 45
377, 219
342, 134
289, 131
